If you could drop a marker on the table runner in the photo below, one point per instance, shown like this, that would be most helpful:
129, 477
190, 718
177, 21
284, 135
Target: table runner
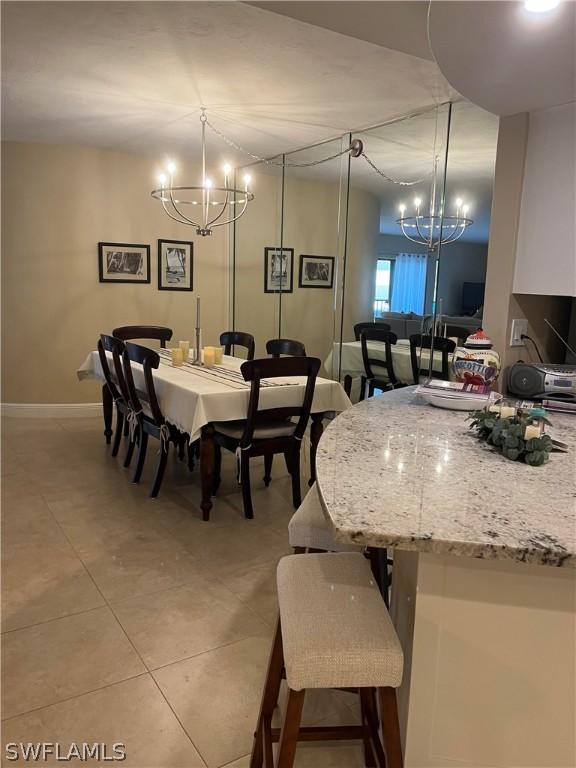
191, 397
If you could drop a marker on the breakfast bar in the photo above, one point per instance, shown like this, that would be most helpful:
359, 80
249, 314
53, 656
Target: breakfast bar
484, 578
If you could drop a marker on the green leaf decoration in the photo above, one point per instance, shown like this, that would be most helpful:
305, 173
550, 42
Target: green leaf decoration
507, 436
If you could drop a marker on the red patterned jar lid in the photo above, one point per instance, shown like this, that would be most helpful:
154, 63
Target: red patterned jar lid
478, 340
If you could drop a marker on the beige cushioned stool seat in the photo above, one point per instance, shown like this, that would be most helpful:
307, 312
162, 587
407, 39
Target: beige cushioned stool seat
309, 528
336, 631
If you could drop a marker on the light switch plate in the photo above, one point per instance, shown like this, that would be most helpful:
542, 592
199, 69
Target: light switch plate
519, 328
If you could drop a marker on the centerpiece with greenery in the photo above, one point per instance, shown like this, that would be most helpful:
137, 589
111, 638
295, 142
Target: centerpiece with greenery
507, 436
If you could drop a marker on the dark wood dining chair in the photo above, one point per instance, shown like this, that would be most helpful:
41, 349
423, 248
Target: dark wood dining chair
439, 344
117, 390
131, 332
458, 332
360, 327
150, 419
230, 339
266, 432
277, 347
375, 380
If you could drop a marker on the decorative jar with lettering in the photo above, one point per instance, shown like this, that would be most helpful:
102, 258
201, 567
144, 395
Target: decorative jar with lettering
476, 362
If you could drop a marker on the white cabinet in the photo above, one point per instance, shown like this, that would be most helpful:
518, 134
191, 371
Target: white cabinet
546, 246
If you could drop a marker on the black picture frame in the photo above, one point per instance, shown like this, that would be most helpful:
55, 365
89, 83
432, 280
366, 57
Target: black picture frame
270, 254
304, 282
179, 284
112, 268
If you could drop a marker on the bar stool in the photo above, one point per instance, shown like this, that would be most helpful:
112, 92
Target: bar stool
308, 528
333, 632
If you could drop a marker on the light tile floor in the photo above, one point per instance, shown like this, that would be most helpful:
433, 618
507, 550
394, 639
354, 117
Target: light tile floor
129, 620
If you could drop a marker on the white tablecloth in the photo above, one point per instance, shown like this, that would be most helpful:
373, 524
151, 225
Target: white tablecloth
352, 364
191, 397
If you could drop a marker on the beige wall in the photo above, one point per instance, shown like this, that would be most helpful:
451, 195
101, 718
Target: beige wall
501, 306
57, 204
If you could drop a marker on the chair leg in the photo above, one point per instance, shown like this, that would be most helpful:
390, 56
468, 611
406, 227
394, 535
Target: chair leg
262, 745
362, 389
290, 729
371, 710
245, 482
369, 760
141, 457
217, 469
162, 459
391, 728
118, 432
191, 455
268, 459
130, 450
348, 384
107, 412
295, 464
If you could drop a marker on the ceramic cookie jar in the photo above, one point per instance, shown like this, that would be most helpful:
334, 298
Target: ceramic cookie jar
476, 362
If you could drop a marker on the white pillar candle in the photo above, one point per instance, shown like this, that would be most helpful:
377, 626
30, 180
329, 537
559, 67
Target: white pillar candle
507, 412
532, 431
218, 352
177, 356
185, 347
209, 357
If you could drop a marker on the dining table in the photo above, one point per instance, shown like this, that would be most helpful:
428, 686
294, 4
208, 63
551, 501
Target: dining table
193, 397
349, 356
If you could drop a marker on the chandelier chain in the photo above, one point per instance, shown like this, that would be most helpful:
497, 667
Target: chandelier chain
390, 179
284, 164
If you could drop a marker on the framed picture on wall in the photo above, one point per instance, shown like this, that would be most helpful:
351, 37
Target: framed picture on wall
316, 271
175, 265
123, 263
278, 270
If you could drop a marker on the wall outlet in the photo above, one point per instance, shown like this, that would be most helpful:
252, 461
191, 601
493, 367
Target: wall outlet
519, 328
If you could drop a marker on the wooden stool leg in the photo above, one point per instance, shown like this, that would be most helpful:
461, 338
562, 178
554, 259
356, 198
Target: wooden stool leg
290, 729
391, 727
262, 736
371, 707
369, 760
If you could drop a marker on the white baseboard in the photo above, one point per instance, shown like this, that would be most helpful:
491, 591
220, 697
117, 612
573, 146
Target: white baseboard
51, 410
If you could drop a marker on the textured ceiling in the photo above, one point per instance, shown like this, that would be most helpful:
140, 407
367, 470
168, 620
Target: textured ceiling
132, 76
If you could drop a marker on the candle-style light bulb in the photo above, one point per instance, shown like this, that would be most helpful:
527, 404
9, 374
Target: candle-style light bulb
162, 180
465, 209
247, 179
227, 170
458, 202
171, 167
417, 203
207, 183
402, 208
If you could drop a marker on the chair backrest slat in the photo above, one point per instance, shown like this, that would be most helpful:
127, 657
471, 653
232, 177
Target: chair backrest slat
230, 339
115, 382
149, 360
438, 344
388, 339
129, 332
458, 331
360, 327
291, 347
278, 367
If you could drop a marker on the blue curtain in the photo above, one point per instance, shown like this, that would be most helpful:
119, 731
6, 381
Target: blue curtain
409, 283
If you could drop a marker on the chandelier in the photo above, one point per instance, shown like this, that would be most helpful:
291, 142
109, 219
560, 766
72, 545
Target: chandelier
434, 228
207, 206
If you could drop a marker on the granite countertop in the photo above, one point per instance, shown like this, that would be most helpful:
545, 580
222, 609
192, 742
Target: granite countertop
394, 471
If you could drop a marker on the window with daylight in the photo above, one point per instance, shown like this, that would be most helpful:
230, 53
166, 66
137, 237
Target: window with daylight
409, 283
382, 294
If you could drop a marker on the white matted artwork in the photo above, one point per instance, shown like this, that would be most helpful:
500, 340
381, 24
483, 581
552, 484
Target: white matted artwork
123, 263
278, 270
175, 265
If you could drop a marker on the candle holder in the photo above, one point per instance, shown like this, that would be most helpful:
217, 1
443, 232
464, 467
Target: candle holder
198, 349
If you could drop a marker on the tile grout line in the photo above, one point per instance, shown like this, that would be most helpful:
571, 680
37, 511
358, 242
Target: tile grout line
148, 671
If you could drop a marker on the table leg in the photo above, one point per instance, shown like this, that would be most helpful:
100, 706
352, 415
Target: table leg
315, 434
207, 457
108, 410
